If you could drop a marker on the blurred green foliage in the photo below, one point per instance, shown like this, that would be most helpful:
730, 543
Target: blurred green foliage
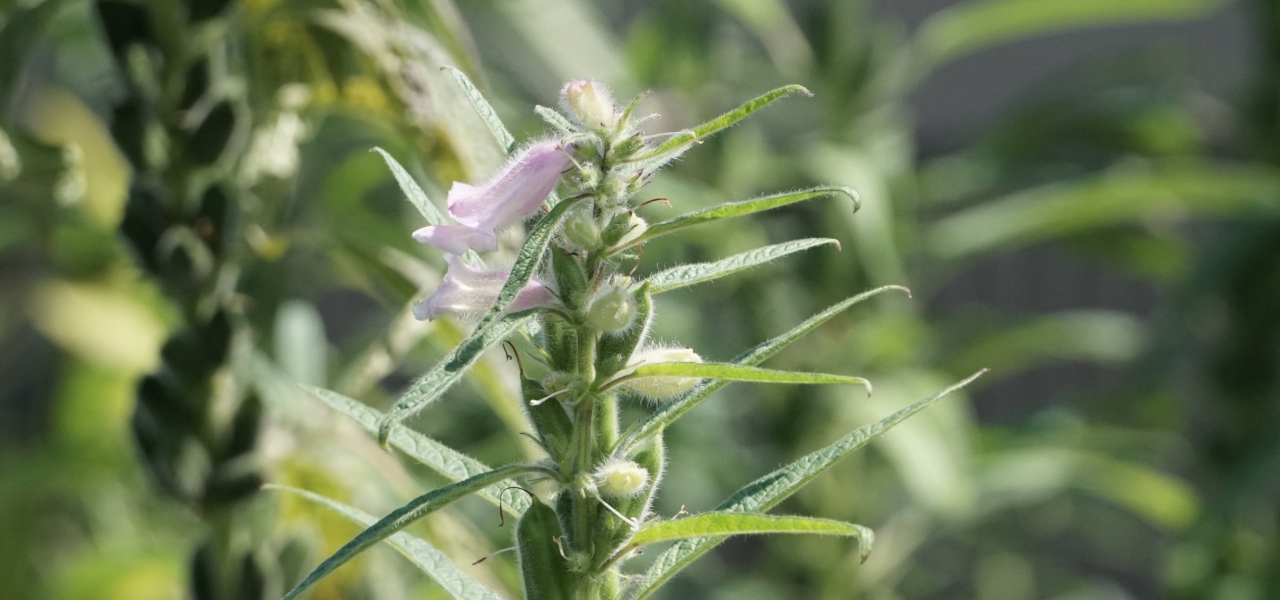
1160, 480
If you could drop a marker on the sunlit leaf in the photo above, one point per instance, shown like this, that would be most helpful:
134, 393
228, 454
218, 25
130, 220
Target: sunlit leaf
433, 562
732, 372
723, 524
695, 273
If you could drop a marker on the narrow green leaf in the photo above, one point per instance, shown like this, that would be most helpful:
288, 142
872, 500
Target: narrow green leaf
484, 109
732, 372
676, 409
723, 524
690, 274
766, 492
412, 191
403, 517
491, 330
970, 26
432, 561
554, 119
453, 465
728, 119
737, 209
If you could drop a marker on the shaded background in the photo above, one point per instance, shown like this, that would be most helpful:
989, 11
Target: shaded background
1082, 197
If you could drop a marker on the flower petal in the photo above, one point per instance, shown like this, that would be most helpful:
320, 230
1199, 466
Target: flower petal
457, 239
513, 193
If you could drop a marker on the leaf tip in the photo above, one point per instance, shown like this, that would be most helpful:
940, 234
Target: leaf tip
867, 384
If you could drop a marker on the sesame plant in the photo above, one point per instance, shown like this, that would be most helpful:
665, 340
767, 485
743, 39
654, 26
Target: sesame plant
573, 301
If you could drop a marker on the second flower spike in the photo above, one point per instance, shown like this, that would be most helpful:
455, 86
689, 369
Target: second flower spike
505, 199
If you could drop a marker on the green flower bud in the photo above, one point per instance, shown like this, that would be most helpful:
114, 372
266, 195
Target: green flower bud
591, 102
612, 309
581, 230
621, 478
663, 387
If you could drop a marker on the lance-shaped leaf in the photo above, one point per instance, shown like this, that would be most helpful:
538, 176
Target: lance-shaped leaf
413, 191
406, 515
736, 209
722, 524
677, 408
766, 492
453, 465
432, 561
491, 330
484, 109
733, 372
681, 142
554, 119
690, 274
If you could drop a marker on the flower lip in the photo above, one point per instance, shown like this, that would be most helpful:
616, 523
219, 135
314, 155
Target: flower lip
513, 193
467, 292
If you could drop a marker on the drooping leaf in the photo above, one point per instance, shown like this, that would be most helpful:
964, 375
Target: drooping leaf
733, 372
484, 109
724, 524
737, 209
766, 492
677, 408
491, 330
440, 458
403, 517
433, 562
413, 191
973, 25
695, 273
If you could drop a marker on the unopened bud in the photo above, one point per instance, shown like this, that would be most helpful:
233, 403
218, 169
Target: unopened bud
582, 231
663, 387
621, 478
635, 227
612, 309
591, 102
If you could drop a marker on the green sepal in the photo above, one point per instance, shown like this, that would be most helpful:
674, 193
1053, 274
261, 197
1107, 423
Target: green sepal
560, 340
554, 427
614, 351
545, 572
618, 226
571, 278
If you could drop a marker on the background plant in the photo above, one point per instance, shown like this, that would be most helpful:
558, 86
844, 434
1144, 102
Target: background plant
80, 521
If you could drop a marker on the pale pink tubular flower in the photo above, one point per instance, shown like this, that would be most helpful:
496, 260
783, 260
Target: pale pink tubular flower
505, 199
468, 292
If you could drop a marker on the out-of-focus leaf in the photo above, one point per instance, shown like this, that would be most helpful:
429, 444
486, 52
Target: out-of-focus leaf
403, 517
300, 345
766, 492
491, 330
1064, 209
1100, 336
102, 325
676, 409
977, 24
695, 273
423, 555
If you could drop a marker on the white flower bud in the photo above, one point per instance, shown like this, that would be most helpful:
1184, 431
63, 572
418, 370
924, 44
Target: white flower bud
663, 387
612, 309
591, 102
635, 227
621, 478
